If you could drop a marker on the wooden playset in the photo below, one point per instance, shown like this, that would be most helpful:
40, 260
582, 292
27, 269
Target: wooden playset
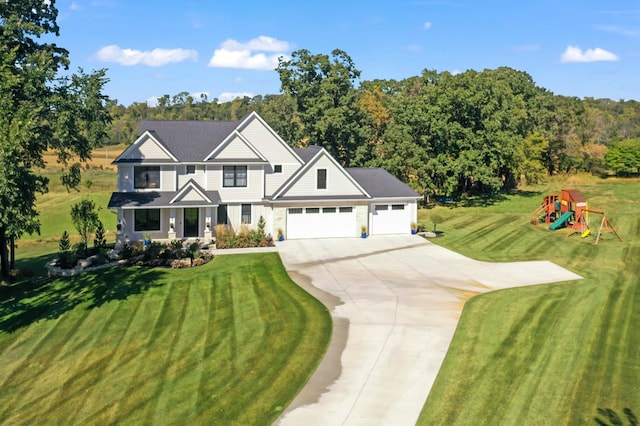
569, 210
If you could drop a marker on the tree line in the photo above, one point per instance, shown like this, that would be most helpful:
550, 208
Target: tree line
443, 134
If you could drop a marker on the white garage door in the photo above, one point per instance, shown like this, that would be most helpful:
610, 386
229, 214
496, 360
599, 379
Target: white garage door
390, 219
321, 222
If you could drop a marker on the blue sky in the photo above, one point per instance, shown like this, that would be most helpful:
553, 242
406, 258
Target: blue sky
225, 49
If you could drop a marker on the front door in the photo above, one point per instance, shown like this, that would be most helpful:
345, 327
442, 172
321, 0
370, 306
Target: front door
191, 222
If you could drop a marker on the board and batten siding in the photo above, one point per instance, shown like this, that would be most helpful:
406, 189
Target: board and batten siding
337, 182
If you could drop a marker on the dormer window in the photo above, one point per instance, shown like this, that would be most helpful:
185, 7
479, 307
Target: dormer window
146, 177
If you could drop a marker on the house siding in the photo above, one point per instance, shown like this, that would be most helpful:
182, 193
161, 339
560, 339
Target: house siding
147, 149
273, 181
236, 149
337, 182
199, 176
168, 178
252, 192
268, 144
125, 178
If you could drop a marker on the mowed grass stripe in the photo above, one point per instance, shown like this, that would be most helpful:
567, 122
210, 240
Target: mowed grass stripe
548, 354
203, 346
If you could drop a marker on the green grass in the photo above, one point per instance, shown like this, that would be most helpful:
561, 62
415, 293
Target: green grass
229, 342
33, 251
550, 354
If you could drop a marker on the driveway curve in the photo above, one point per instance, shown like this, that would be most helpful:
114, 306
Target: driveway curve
395, 301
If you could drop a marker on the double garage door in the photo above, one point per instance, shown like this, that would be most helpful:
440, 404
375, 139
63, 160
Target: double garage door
332, 222
321, 222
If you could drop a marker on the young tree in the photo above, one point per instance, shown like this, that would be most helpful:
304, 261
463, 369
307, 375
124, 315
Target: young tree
39, 110
85, 219
99, 240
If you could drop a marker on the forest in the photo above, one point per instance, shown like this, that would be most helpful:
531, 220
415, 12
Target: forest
476, 132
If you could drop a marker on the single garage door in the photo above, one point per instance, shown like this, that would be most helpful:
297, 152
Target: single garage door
321, 222
390, 219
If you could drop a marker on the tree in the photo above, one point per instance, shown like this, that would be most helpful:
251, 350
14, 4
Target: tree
99, 241
327, 102
85, 219
39, 110
624, 157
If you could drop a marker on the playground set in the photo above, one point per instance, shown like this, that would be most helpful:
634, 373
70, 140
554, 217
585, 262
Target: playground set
569, 210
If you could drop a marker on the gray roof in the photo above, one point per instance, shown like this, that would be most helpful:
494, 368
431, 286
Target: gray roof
322, 198
379, 183
189, 141
306, 154
157, 199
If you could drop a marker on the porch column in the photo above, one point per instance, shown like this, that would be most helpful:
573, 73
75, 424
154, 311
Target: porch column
208, 225
120, 231
172, 224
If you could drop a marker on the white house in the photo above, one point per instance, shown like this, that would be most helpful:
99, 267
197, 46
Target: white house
181, 178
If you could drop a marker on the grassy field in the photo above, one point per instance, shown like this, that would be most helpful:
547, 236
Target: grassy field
229, 342
99, 180
555, 354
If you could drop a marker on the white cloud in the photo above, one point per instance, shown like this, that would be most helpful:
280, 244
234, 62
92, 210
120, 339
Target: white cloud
414, 48
153, 58
575, 54
229, 96
427, 26
74, 6
250, 55
152, 101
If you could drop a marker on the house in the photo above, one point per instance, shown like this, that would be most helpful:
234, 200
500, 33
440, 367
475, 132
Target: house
181, 178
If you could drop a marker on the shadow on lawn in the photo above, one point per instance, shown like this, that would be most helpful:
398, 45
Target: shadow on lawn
51, 300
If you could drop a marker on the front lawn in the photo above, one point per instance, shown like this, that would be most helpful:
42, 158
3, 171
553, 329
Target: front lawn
552, 354
229, 342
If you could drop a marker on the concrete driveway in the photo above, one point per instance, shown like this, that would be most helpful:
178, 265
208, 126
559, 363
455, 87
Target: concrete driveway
395, 302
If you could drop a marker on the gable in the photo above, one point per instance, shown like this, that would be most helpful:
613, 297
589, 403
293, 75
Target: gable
338, 182
190, 192
236, 148
146, 147
267, 142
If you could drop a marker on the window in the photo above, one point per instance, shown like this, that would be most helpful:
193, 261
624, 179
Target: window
346, 209
322, 179
312, 210
397, 206
191, 170
222, 218
234, 176
296, 210
246, 213
147, 220
328, 210
146, 177
381, 207
277, 168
